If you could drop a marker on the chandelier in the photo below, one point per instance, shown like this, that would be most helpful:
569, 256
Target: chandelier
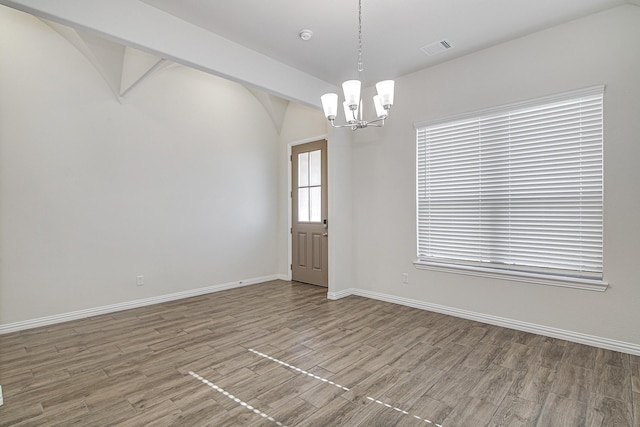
353, 103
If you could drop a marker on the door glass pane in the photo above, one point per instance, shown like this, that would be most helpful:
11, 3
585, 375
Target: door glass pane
316, 204
315, 168
303, 204
303, 169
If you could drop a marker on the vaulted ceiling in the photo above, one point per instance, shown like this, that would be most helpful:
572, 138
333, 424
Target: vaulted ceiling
257, 43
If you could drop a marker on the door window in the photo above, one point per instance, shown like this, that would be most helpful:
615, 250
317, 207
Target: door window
310, 186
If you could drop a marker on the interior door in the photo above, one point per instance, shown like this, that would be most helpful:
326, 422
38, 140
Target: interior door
309, 231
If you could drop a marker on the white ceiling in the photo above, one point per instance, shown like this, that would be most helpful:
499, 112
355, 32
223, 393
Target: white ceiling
393, 31
256, 43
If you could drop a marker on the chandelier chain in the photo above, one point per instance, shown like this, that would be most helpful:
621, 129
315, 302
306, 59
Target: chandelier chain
360, 64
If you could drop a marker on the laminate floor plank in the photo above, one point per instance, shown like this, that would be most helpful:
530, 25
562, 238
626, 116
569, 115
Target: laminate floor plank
293, 413
516, 412
415, 358
636, 409
580, 355
453, 387
494, 384
314, 362
375, 385
472, 412
320, 394
482, 356
516, 356
534, 384
284, 392
429, 409
337, 412
604, 411
573, 382
562, 411
549, 355
471, 336
407, 390
635, 373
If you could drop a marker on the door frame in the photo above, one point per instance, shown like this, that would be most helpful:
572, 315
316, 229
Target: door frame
290, 203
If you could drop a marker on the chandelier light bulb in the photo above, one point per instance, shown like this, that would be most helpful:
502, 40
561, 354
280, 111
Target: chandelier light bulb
349, 114
330, 105
351, 90
381, 113
385, 91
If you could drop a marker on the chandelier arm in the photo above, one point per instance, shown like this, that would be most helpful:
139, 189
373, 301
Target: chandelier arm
380, 121
347, 125
360, 124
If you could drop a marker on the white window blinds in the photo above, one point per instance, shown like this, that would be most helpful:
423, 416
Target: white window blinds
516, 188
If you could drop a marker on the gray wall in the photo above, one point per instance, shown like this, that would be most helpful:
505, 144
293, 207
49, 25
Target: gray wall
180, 183
599, 49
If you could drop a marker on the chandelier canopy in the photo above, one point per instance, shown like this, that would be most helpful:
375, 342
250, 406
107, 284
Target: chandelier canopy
353, 102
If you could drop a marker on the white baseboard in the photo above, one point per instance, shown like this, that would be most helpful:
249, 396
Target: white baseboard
81, 314
577, 337
342, 294
606, 343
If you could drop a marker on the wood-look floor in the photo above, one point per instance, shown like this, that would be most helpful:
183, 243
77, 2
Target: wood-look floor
132, 368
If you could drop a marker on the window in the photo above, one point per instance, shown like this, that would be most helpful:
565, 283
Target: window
310, 186
515, 191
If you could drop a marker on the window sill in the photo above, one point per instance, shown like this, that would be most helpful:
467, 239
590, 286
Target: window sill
540, 279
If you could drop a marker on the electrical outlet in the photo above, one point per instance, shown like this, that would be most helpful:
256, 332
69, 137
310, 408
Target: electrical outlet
139, 280
405, 278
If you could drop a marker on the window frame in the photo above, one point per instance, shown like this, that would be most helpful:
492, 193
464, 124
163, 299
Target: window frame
482, 269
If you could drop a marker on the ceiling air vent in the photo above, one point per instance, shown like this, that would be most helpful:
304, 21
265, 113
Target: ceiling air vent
436, 47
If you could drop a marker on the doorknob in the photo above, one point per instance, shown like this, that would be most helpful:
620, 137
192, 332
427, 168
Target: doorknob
325, 234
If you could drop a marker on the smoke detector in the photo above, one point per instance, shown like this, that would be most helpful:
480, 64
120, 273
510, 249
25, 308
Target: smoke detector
305, 35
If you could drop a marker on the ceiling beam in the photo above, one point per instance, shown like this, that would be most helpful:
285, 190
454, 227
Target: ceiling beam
141, 26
